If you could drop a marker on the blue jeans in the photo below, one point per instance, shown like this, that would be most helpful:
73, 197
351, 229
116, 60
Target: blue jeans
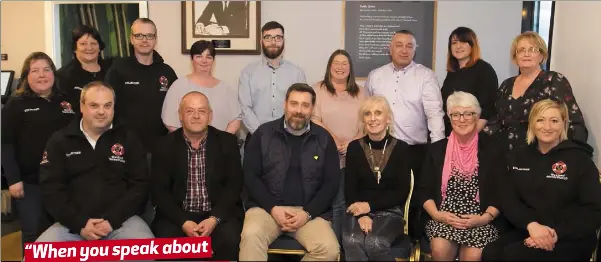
132, 228
339, 209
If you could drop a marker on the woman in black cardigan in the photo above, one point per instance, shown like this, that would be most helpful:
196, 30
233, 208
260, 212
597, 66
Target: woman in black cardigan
458, 190
377, 184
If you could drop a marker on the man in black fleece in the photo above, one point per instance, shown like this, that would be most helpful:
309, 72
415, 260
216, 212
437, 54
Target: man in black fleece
291, 174
94, 176
141, 82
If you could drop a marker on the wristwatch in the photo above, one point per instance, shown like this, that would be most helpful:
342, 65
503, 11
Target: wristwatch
218, 219
308, 215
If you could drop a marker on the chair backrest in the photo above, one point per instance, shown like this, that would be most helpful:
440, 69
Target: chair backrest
407, 203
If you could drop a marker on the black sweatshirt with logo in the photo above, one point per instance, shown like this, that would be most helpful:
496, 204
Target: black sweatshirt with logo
72, 78
79, 182
27, 123
140, 91
559, 189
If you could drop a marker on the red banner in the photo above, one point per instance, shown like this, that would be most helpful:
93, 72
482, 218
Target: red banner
117, 250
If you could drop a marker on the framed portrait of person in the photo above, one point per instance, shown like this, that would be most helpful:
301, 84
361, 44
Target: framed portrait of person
232, 26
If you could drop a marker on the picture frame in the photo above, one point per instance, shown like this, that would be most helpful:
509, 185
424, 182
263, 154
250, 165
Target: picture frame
232, 26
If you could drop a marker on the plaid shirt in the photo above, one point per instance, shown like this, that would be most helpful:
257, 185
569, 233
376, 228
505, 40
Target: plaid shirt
197, 197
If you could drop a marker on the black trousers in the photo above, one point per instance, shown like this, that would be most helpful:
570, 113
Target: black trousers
417, 154
510, 247
375, 245
33, 217
225, 238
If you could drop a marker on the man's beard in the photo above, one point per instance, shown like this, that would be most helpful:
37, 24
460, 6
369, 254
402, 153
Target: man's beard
297, 124
273, 54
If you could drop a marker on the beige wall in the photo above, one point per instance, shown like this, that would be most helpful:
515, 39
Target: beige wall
22, 30
576, 54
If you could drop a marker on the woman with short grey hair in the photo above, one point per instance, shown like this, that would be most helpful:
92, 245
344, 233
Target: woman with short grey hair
458, 189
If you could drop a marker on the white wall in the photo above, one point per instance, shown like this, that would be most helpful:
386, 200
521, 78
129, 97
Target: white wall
576, 54
314, 31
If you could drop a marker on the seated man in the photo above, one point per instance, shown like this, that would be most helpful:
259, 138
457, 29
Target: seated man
292, 174
197, 180
94, 176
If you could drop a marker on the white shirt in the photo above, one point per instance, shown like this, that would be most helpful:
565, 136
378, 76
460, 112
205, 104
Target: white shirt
414, 96
89, 138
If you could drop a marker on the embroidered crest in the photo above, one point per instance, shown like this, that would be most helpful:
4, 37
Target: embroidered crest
559, 168
118, 149
164, 83
44, 158
67, 108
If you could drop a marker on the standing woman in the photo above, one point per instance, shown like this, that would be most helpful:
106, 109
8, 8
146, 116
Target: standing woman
552, 193
467, 72
36, 110
224, 100
338, 98
517, 94
87, 65
377, 184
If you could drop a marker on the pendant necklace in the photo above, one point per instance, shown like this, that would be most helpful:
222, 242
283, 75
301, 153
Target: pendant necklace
377, 170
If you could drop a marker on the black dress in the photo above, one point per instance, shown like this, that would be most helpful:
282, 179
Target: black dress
511, 121
479, 80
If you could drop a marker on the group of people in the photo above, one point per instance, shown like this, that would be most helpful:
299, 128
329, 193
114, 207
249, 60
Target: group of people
125, 149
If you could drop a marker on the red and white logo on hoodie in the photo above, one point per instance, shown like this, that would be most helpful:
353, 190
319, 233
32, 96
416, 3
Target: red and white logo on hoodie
164, 83
118, 152
559, 168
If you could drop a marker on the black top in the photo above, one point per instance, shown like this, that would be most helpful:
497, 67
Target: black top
511, 121
27, 123
293, 185
559, 189
140, 91
72, 78
223, 176
480, 80
361, 182
80, 182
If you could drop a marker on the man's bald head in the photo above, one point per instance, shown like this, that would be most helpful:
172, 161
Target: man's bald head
195, 112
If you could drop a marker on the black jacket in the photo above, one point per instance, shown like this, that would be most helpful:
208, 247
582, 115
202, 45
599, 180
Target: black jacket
559, 189
361, 183
79, 182
27, 123
266, 162
140, 91
72, 79
492, 166
223, 176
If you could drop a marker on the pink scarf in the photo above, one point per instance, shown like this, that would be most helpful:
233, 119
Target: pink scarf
463, 156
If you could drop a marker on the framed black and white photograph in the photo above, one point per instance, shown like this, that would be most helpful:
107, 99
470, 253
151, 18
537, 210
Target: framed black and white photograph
232, 26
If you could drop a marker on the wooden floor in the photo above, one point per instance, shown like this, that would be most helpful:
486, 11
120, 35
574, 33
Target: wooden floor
11, 247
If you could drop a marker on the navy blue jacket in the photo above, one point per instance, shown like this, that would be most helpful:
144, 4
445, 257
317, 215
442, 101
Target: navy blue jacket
266, 162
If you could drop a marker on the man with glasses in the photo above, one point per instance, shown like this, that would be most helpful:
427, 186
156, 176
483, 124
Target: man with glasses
263, 84
141, 82
413, 93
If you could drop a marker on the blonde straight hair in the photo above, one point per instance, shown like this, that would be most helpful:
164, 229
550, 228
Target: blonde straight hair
541, 106
376, 102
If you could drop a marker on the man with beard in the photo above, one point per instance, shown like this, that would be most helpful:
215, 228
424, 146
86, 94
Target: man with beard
291, 173
263, 83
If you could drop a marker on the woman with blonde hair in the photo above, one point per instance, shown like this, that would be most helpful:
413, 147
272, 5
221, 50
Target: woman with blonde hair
552, 194
517, 94
377, 184
459, 187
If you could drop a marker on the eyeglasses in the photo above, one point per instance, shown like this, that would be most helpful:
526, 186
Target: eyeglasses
466, 115
531, 50
147, 36
277, 38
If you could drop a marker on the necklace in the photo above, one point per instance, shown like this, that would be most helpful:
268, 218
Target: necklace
372, 159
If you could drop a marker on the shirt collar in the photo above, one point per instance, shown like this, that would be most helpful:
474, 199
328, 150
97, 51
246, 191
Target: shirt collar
189, 143
265, 61
299, 132
84, 132
407, 68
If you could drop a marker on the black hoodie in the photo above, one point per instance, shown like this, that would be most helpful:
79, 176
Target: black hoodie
72, 78
559, 189
140, 91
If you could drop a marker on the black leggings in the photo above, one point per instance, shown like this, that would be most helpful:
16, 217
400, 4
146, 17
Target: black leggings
510, 246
